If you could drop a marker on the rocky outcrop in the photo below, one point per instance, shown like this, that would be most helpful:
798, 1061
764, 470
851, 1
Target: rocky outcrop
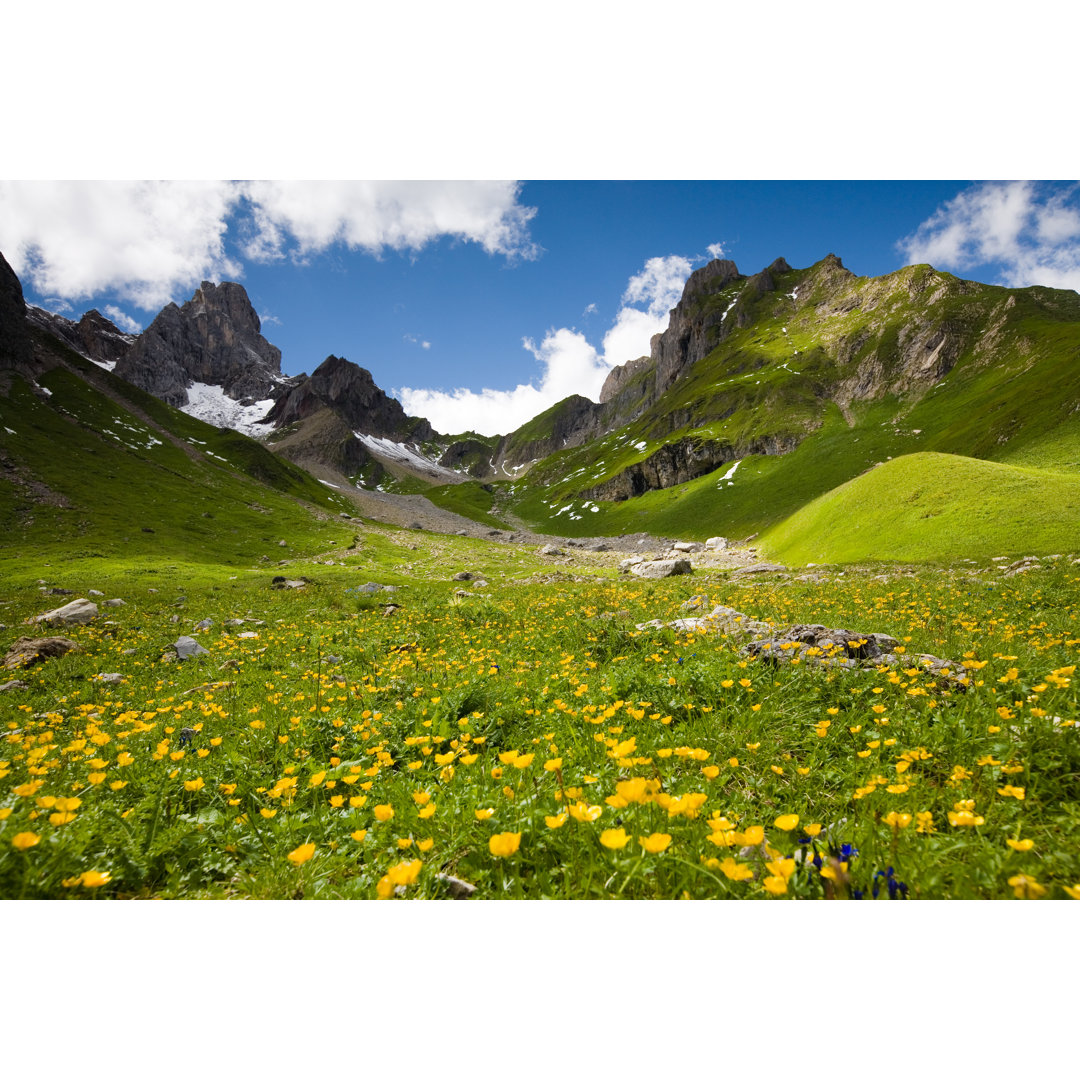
571, 422
349, 391
323, 438
25, 652
677, 462
16, 348
619, 378
696, 326
214, 338
469, 455
93, 336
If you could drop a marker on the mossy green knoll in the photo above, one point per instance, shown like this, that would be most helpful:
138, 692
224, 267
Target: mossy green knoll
931, 507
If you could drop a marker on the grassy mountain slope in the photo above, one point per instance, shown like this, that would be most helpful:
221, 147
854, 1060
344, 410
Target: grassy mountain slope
931, 507
99, 469
851, 371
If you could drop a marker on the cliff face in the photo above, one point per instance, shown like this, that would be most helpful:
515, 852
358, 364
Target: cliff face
214, 338
16, 348
695, 327
349, 391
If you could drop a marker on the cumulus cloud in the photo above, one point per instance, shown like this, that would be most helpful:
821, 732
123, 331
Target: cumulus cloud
716, 251
149, 242
1029, 232
123, 320
142, 240
568, 362
659, 285
299, 217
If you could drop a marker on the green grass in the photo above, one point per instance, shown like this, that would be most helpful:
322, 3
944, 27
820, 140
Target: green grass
470, 499
270, 766
930, 507
167, 487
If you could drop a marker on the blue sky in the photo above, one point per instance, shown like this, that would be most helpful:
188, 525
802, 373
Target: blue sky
482, 304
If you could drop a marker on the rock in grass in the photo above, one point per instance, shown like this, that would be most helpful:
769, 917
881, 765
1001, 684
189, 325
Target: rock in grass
662, 568
550, 549
187, 647
760, 568
716, 543
288, 583
26, 652
455, 888
111, 677
78, 611
463, 575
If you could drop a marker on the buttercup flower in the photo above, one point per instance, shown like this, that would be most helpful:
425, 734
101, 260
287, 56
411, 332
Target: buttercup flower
504, 844
301, 854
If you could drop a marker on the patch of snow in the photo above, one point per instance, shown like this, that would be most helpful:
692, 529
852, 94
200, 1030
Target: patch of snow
407, 455
45, 390
729, 474
108, 365
594, 509
9, 431
794, 294
336, 487
639, 446
213, 406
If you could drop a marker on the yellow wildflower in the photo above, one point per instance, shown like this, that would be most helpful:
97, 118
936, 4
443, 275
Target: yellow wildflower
504, 844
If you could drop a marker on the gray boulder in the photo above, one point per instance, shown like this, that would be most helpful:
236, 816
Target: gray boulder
78, 612
662, 568
187, 647
716, 543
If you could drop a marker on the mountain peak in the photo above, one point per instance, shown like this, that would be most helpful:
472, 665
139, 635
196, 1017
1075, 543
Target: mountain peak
214, 338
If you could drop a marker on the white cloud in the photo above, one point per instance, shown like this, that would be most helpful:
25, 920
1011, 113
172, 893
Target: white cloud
417, 341
143, 240
659, 285
1029, 232
371, 216
716, 251
569, 363
590, 310
123, 320
149, 242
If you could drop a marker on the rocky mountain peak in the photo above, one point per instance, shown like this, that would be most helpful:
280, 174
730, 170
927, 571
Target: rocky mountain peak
94, 336
350, 392
214, 338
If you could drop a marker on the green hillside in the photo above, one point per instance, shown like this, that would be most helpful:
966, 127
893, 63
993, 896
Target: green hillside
932, 507
808, 393
97, 469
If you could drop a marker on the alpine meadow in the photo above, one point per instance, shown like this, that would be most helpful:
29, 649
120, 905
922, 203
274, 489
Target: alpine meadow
791, 611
